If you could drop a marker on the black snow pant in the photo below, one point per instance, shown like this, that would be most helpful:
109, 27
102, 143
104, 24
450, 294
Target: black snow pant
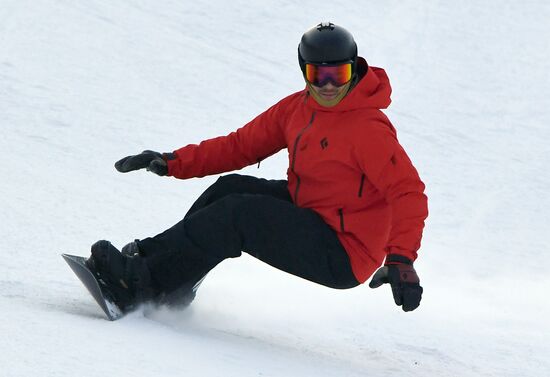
242, 213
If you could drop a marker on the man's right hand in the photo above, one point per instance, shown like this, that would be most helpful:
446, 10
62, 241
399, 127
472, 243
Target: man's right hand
150, 160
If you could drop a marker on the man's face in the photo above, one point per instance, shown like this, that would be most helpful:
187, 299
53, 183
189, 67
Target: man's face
328, 92
329, 83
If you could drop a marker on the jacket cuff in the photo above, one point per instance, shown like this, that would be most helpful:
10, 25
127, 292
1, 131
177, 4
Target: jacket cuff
397, 259
169, 158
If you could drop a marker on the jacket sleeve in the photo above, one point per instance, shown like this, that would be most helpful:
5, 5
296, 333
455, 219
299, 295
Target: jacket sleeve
258, 139
390, 170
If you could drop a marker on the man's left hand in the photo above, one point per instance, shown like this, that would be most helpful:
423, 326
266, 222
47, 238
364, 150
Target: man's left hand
405, 284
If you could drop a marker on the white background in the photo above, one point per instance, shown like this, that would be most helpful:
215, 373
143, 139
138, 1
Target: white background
84, 83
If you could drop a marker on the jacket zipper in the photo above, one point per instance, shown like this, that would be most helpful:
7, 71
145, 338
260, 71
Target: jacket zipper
341, 214
294, 156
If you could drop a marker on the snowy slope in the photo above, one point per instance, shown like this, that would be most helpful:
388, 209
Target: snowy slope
84, 83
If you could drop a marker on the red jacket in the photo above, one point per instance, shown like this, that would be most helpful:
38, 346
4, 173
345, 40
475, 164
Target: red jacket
345, 163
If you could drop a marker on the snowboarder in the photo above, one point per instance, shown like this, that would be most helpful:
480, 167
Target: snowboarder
352, 200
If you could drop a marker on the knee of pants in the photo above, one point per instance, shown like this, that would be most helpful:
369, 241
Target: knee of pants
228, 183
225, 185
233, 178
229, 178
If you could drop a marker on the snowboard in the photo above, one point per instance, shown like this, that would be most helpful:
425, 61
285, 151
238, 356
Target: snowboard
95, 286
179, 299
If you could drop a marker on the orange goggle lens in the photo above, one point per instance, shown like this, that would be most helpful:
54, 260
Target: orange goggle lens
320, 75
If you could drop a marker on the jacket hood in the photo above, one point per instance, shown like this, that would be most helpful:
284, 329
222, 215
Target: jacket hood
372, 91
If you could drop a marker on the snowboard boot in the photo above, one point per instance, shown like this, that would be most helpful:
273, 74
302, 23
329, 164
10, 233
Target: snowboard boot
126, 278
131, 249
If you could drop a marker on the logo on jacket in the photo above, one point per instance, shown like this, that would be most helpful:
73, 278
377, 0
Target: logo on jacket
324, 143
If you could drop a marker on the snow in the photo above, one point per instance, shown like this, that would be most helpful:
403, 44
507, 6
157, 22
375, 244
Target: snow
84, 83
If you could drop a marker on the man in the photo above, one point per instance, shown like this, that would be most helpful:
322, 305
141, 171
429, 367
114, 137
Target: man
352, 199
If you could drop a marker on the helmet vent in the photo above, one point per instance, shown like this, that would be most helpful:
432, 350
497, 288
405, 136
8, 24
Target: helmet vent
325, 26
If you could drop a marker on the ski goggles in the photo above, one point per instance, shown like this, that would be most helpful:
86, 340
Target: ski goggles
320, 75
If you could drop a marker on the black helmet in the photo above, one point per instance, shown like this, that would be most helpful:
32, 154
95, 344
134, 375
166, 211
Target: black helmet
327, 43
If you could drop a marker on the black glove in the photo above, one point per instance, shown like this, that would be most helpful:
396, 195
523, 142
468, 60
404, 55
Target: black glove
405, 284
150, 160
